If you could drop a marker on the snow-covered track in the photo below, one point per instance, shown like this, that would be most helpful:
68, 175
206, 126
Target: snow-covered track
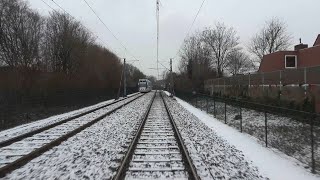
20, 152
41, 129
157, 150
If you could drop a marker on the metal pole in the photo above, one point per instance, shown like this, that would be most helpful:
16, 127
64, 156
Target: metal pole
196, 101
305, 81
266, 127
224, 86
124, 77
240, 119
214, 107
158, 12
263, 83
280, 84
225, 112
249, 86
171, 77
207, 105
312, 145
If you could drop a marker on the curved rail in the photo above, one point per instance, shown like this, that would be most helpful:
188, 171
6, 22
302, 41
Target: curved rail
38, 151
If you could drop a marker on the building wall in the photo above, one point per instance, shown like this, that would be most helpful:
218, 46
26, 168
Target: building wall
275, 61
309, 57
305, 58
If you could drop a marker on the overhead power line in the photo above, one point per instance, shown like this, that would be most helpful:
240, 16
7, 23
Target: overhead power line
48, 5
103, 42
194, 20
109, 29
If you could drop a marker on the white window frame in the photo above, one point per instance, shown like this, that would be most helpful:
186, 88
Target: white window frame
285, 61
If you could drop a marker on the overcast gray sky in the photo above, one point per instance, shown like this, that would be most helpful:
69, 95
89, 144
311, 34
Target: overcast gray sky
134, 22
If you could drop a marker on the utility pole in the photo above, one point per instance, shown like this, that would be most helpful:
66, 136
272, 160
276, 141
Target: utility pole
158, 11
171, 78
124, 78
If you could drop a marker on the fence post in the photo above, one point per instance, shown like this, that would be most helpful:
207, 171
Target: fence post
225, 112
312, 145
305, 82
249, 86
207, 105
280, 88
266, 127
196, 101
224, 86
263, 83
214, 107
240, 118
219, 90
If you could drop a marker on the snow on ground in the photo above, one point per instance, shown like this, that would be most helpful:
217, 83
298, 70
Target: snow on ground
271, 163
290, 135
213, 156
9, 133
94, 153
29, 144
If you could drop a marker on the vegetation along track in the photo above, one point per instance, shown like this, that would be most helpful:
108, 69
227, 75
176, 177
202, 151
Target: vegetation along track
19, 150
157, 150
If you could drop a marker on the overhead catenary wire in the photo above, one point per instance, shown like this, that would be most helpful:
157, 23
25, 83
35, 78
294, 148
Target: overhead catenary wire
103, 42
122, 44
189, 30
48, 5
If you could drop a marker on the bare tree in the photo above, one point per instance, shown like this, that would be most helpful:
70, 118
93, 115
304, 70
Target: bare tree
195, 61
272, 37
195, 57
20, 34
66, 42
239, 62
222, 40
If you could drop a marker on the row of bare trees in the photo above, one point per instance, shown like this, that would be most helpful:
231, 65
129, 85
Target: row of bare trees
58, 48
216, 51
20, 34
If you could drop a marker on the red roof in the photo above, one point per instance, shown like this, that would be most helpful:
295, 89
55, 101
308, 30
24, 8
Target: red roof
317, 42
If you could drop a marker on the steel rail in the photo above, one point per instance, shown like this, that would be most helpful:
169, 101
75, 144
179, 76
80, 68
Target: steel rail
187, 159
120, 174
128, 156
37, 152
31, 133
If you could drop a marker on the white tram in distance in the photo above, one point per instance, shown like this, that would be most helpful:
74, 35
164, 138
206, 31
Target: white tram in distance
144, 85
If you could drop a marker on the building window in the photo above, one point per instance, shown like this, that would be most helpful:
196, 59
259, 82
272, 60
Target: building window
291, 61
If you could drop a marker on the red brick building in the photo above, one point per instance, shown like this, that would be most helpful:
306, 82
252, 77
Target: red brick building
302, 56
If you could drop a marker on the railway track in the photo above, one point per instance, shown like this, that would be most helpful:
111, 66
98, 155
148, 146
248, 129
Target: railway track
157, 150
19, 150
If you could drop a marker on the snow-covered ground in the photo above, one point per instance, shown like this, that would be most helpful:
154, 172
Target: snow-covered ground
238, 149
218, 151
94, 153
16, 131
14, 151
213, 156
286, 134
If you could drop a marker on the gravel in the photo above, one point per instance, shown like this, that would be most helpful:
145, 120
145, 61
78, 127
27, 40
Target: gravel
16, 131
213, 157
94, 153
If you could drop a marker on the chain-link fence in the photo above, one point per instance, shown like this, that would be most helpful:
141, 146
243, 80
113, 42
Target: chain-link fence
290, 85
296, 133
